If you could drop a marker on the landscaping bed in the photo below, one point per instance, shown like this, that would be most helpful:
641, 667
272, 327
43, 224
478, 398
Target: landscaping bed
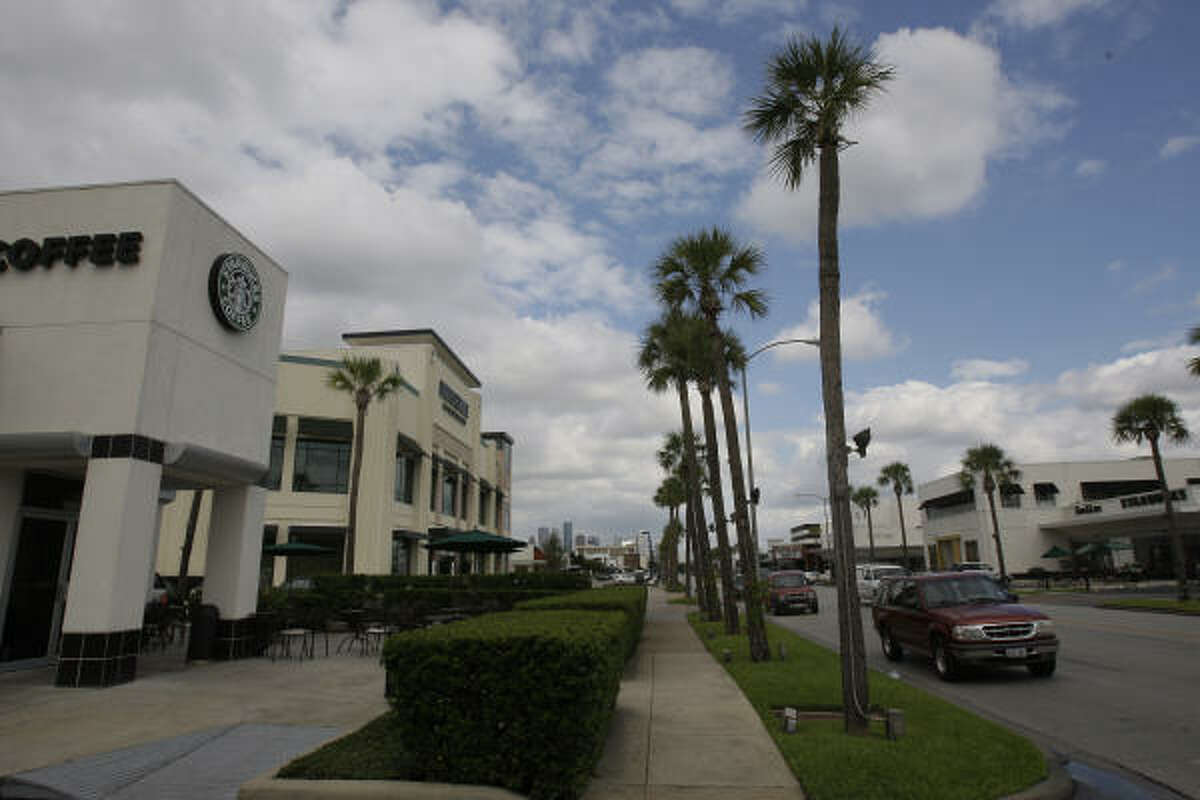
1161, 605
946, 752
519, 699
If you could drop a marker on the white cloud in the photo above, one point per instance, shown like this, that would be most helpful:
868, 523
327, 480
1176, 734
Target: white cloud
1116, 265
1165, 274
924, 145
1178, 145
727, 11
666, 79
1091, 167
982, 369
864, 333
1141, 345
1030, 14
770, 388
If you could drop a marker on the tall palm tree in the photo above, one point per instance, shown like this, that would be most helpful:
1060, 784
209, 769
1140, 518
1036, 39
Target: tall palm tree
364, 380
670, 495
1194, 338
996, 469
898, 476
812, 88
866, 498
667, 359
1146, 418
706, 273
712, 451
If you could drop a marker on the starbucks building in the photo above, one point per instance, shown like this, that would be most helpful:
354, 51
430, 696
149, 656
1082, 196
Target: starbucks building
139, 336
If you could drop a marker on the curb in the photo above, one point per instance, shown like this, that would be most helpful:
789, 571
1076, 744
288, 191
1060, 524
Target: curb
1059, 785
267, 787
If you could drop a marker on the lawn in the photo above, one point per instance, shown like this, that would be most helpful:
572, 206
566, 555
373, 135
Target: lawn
1163, 604
946, 753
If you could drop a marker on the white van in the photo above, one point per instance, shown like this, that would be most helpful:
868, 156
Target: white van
869, 576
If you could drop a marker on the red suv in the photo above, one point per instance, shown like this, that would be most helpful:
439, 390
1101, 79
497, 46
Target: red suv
790, 589
962, 618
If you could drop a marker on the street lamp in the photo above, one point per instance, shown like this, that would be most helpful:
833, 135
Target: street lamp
746, 420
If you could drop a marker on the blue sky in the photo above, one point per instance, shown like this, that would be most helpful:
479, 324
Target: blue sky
1017, 231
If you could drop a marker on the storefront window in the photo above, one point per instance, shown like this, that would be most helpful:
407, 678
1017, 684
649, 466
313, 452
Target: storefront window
484, 501
401, 548
406, 477
323, 456
449, 491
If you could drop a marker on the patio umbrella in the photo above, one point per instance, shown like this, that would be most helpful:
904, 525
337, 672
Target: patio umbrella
297, 549
1056, 552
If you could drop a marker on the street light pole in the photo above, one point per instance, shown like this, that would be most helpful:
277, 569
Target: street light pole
746, 422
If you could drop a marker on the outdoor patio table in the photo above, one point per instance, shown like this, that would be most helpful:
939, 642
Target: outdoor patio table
302, 637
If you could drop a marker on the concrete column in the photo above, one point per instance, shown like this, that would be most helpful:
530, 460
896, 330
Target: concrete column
11, 484
114, 553
234, 550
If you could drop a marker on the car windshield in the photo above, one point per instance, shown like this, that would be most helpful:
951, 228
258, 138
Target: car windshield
789, 581
964, 590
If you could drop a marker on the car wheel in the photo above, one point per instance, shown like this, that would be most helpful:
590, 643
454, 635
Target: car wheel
891, 648
815, 608
1043, 669
943, 662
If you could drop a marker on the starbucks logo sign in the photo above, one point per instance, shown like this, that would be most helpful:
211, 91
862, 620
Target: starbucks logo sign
235, 292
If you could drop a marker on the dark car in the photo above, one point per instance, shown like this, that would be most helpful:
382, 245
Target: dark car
960, 619
789, 590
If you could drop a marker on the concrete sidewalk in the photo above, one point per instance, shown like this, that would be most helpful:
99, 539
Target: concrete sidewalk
682, 729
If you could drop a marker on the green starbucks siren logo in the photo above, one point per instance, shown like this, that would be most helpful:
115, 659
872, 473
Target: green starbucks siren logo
235, 292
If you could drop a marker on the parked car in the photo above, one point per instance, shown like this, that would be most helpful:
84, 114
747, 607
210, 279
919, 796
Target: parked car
869, 576
789, 590
960, 619
624, 579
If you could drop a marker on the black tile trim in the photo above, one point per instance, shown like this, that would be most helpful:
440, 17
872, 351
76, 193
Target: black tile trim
236, 638
128, 445
97, 659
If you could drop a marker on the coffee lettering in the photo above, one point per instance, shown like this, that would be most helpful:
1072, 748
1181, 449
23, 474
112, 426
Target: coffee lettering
24, 254
102, 249
53, 249
129, 247
104, 246
78, 247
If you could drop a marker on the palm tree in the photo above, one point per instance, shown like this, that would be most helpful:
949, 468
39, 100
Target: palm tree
706, 274
670, 495
812, 89
996, 469
667, 358
898, 476
866, 498
364, 380
1194, 338
1146, 418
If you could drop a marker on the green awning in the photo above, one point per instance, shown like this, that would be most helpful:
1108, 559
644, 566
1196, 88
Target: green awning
476, 541
1056, 552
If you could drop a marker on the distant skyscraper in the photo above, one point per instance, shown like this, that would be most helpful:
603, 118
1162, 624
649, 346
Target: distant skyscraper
568, 536
543, 536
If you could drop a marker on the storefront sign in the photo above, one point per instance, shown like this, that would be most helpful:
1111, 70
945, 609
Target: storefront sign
452, 404
102, 249
235, 292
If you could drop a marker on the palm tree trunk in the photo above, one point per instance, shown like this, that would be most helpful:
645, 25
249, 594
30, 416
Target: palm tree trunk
756, 624
855, 699
903, 533
189, 537
706, 588
355, 474
1172, 528
728, 601
870, 535
991, 496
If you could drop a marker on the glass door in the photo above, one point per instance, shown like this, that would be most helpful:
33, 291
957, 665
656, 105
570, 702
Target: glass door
37, 589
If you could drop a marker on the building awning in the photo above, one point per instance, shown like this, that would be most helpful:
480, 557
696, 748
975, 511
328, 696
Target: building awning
965, 497
1007, 489
400, 533
408, 444
475, 541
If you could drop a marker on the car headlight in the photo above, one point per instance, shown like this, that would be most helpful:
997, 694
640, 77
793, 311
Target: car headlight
1043, 626
969, 633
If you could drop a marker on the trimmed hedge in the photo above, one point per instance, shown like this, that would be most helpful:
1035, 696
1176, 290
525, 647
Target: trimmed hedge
519, 699
629, 599
334, 585
419, 602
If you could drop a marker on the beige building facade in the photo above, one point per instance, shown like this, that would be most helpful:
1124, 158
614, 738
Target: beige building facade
429, 470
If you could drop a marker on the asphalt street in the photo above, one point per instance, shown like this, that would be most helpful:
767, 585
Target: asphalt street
1125, 694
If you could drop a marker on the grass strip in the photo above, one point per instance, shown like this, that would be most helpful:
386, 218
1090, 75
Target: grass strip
684, 601
1160, 604
374, 752
947, 753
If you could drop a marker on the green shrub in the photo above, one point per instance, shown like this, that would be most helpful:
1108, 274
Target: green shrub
629, 599
413, 604
514, 699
